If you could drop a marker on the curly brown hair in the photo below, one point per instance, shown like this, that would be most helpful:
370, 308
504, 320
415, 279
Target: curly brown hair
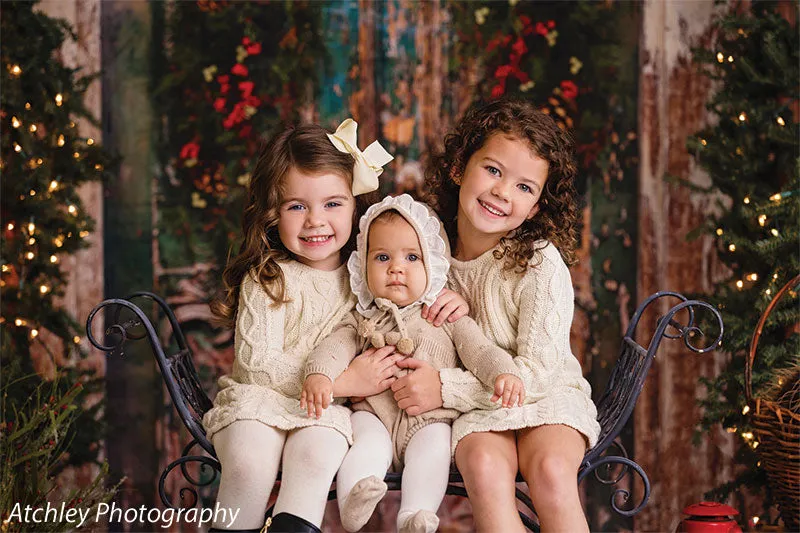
557, 219
306, 148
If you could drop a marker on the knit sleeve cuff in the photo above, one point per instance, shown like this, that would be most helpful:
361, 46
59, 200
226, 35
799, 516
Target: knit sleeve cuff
462, 391
318, 368
496, 361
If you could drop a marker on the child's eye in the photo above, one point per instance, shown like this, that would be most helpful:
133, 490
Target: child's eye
332, 204
382, 257
295, 207
413, 257
494, 171
525, 188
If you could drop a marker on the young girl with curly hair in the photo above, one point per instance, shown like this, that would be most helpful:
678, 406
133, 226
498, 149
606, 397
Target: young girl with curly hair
504, 190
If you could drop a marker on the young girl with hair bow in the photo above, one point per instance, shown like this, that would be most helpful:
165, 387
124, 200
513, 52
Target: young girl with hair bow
285, 290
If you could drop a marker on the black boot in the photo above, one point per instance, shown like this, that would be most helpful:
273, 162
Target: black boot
289, 523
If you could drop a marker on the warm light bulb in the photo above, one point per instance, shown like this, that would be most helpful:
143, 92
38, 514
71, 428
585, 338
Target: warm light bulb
32, 128
746, 199
4, 268
742, 116
755, 520
775, 276
774, 232
61, 140
753, 277
58, 241
98, 166
90, 141
29, 255
10, 226
76, 155
31, 241
719, 231
746, 409
740, 284
775, 197
59, 99
720, 57
31, 227
15, 122
53, 259
732, 248
53, 185
747, 435
762, 219
768, 292
18, 322
780, 121
15, 70
76, 339
43, 289
730, 59
34, 332
72, 209
17, 148
703, 142
83, 234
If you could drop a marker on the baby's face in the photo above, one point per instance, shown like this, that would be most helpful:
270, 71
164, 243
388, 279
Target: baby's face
395, 268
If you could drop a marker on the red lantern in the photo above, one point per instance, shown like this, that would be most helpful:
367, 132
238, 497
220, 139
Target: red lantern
709, 517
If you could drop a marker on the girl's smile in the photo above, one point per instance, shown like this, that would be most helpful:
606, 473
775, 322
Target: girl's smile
500, 188
316, 217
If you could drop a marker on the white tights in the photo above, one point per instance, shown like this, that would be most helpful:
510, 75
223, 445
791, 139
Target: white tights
425, 474
250, 453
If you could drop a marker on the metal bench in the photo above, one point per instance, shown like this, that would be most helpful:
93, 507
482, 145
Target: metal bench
614, 407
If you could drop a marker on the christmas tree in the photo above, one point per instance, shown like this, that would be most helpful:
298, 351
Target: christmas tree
751, 156
44, 160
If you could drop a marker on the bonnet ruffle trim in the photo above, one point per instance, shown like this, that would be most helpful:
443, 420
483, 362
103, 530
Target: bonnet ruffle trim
434, 249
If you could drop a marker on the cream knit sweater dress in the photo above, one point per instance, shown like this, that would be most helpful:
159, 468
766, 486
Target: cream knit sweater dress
272, 344
528, 314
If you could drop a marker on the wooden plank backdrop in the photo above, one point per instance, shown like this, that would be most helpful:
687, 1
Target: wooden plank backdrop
400, 91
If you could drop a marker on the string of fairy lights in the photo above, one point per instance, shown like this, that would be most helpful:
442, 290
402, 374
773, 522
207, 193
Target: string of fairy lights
32, 235
748, 279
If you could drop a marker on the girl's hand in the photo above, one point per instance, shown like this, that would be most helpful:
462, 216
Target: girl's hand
449, 305
369, 374
510, 388
418, 391
317, 394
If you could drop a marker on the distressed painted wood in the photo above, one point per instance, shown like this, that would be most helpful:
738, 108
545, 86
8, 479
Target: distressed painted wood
672, 99
83, 270
133, 385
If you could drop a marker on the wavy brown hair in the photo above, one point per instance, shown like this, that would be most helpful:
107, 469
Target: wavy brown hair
557, 219
305, 148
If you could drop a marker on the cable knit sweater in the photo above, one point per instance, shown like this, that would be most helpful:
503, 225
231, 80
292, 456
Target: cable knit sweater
528, 314
440, 346
272, 344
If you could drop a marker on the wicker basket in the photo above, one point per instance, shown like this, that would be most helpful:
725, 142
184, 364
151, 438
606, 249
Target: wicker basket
777, 430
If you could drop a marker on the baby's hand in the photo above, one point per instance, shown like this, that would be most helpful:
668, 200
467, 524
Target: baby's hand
317, 394
449, 305
510, 388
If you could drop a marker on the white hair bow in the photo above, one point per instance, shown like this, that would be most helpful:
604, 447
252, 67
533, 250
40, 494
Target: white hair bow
369, 163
